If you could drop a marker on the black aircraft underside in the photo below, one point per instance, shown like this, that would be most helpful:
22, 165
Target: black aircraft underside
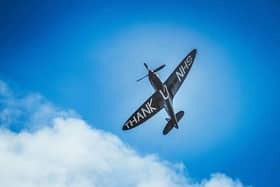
163, 96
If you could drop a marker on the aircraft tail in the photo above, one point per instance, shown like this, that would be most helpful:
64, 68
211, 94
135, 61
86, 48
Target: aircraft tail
171, 123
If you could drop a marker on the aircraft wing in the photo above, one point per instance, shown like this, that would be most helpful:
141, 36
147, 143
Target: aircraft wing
149, 108
176, 79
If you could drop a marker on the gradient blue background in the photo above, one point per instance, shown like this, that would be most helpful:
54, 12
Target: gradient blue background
86, 55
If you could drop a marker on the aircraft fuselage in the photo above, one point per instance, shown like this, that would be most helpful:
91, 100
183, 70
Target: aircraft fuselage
168, 105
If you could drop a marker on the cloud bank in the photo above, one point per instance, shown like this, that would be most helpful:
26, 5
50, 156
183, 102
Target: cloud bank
57, 148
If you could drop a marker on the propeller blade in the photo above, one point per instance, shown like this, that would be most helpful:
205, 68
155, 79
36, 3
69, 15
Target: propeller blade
146, 66
159, 68
142, 78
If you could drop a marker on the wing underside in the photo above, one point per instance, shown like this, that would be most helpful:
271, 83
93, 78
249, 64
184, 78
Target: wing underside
149, 108
176, 79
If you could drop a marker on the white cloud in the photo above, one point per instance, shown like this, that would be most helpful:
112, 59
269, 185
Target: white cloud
66, 151
28, 111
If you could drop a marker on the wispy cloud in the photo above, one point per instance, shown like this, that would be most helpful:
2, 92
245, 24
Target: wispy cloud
30, 112
61, 150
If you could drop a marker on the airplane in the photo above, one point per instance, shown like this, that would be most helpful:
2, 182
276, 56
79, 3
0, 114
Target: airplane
163, 95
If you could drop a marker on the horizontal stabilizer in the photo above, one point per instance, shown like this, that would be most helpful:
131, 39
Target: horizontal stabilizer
171, 123
179, 115
168, 127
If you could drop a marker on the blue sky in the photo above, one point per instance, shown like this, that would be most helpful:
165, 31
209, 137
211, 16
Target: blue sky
87, 56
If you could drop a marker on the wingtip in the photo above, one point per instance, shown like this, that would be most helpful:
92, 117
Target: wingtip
124, 128
194, 51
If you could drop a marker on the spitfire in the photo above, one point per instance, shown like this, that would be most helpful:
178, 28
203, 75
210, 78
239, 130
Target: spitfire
163, 95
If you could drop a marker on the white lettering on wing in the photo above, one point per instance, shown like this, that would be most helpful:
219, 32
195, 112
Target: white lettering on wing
141, 114
165, 90
149, 105
132, 121
184, 68
179, 74
145, 111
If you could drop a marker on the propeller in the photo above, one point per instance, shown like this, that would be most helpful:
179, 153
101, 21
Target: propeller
142, 78
159, 68
146, 66
155, 70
